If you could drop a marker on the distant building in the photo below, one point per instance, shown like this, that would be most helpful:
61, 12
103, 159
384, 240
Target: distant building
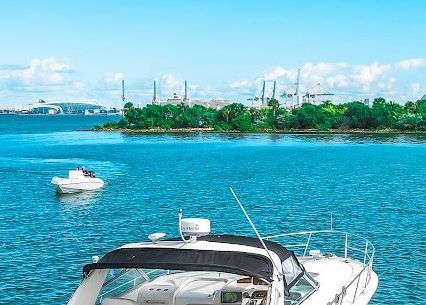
67, 107
423, 97
177, 100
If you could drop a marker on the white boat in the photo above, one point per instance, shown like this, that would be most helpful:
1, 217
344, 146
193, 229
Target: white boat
199, 268
79, 180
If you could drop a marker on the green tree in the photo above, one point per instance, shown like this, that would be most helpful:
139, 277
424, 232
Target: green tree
308, 116
358, 115
128, 105
274, 105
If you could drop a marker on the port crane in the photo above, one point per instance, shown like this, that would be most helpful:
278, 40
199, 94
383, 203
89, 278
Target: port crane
296, 99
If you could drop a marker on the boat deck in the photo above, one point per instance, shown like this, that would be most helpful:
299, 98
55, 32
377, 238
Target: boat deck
333, 273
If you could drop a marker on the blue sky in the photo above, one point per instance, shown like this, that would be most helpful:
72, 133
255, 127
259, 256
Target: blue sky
80, 50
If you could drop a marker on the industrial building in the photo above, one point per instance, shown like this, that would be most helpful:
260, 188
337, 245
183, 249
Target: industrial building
217, 103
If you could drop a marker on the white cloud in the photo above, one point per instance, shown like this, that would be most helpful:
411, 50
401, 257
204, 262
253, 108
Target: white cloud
113, 79
39, 74
412, 63
387, 84
240, 84
346, 81
415, 89
48, 78
364, 75
278, 72
311, 75
53, 78
322, 68
170, 83
337, 81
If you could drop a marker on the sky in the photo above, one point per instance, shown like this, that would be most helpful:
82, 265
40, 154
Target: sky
81, 50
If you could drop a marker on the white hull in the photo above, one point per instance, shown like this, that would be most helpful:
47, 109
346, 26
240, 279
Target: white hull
333, 273
69, 186
232, 270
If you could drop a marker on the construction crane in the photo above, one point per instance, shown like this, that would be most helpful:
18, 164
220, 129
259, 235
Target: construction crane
273, 89
155, 99
315, 92
263, 97
297, 82
297, 99
185, 96
260, 96
123, 97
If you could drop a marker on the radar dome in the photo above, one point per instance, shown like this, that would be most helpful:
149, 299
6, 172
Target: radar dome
195, 227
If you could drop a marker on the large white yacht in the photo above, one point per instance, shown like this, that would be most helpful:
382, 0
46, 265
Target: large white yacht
202, 269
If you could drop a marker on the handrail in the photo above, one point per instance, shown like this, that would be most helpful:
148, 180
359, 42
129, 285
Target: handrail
367, 261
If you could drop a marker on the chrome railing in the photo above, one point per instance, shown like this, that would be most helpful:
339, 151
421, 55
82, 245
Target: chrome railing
354, 247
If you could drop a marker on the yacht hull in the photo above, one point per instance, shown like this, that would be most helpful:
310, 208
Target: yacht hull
333, 273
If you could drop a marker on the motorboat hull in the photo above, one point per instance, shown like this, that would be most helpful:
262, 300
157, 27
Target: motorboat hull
68, 186
332, 273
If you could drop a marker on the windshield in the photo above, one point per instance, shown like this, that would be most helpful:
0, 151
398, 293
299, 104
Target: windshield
299, 292
161, 287
292, 270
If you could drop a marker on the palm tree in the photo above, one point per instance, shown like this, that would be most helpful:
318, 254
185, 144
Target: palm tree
226, 111
274, 104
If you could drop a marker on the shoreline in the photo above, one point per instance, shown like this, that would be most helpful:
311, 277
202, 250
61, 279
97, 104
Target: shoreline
211, 130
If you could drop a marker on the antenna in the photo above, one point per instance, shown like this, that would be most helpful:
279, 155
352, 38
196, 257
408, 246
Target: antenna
255, 231
180, 227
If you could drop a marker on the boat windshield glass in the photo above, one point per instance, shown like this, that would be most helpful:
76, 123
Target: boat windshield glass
159, 286
292, 270
299, 292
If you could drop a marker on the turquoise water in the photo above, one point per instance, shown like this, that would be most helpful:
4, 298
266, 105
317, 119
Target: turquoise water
375, 185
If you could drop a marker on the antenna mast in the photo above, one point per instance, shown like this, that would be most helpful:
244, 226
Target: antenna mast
255, 231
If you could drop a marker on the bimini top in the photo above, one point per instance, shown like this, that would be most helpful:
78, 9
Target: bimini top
177, 258
278, 249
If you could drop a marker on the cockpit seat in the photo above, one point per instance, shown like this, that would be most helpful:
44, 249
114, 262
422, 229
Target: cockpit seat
117, 301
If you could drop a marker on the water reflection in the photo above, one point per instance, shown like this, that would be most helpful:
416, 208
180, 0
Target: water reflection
82, 198
333, 138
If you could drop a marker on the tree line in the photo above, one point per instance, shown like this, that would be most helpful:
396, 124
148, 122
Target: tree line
327, 116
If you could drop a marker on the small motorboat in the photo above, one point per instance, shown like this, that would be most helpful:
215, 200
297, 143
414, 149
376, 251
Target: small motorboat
79, 180
200, 268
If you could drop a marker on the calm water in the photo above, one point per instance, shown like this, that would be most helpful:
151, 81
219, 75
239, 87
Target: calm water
375, 185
